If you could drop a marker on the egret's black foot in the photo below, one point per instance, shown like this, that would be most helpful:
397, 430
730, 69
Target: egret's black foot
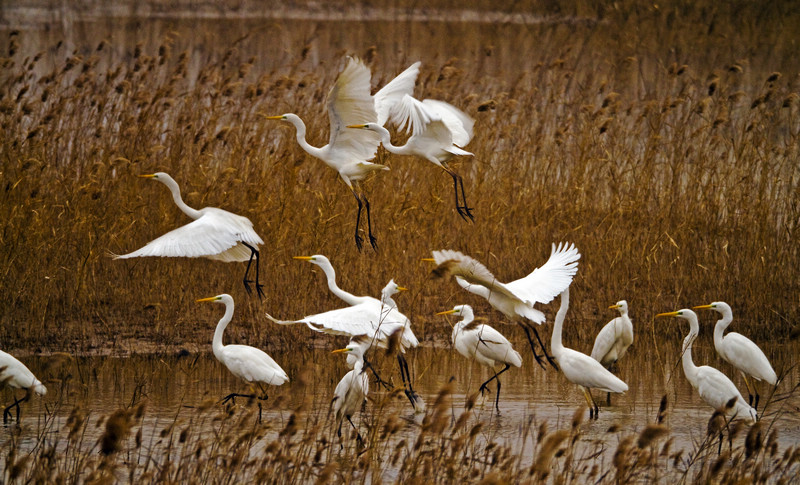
359, 242
373, 241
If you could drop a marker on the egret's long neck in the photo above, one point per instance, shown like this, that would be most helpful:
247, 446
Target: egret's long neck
300, 126
330, 276
176, 196
688, 364
555, 341
216, 344
386, 141
719, 328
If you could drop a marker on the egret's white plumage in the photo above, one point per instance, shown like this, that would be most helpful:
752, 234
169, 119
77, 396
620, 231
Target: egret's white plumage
245, 362
740, 351
393, 92
515, 299
15, 374
352, 390
713, 386
348, 151
482, 343
580, 368
330, 276
439, 131
615, 337
214, 234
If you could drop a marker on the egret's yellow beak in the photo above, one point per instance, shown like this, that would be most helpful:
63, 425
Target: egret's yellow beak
429, 260
613, 306
147, 176
448, 312
356, 126
402, 288
338, 351
702, 307
210, 298
278, 117
303, 258
668, 314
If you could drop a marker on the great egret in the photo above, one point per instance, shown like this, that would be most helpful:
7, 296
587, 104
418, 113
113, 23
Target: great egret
713, 386
439, 130
740, 351
614, 339
484, 344
578, 367
380, 320
16, 375
214, 234
352, 390
330, 275
245, 362
515, 299
347, 151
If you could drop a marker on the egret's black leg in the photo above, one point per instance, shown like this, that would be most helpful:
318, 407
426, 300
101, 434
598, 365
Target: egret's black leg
494, 377
368, 365
15, 404
253, 254
533, 347
544, 349
608, 399
358, 435
406, 376
232, 397
497, 398
467, 208
359, 240
372, 240
757, 398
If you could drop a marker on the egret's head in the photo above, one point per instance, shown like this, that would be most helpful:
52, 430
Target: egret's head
317, 259
155, 176
357, 346
621, 305
215, 299
686, 314
717, 306
457, 310
391, 288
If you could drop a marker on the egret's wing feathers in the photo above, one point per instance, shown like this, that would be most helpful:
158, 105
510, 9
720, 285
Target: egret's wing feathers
603, 344
253, 365
410, 113
393, 92
470, 270
459, 123
745, 355
548, 281
495, 346
350, 103
197, 239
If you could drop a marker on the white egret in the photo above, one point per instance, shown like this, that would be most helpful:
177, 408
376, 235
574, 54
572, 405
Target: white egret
348, 151
713, 386
614, 339
15, 374
245, 362
351, 392
439, 130
380, 320
330, 275
484, 344
214, 234
740, 351
578, 367
515, 299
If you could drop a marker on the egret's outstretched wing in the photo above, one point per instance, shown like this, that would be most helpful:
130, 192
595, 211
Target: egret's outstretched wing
548, 281
393, 92
350, 103
361, 319
457, 122
469, 270
410, 113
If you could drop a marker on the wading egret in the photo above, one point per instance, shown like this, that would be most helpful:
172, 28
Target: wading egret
351, 392
16, 375
614, 339
380, 320
515, 299
347, 151
214, 234
740, 351
713, 386
484, 344
439, 130
245, 362
578, 367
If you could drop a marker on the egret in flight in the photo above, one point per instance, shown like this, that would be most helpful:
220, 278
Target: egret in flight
482, 343
578, 367
16, 375
351, 392
439, 130
714, 387
245, 362
348, 151
214, 234
614, 339
740, 351
515, 299
380, 320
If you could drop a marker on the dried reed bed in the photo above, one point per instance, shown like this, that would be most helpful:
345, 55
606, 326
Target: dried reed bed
664, 150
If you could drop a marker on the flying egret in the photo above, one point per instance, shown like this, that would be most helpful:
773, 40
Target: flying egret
480, 342
578, 367
351, 392
214, 234
439, 130
16, 375
515, 299
740, 351
245, 362
380, 320
713, 386
614, 339
348, 151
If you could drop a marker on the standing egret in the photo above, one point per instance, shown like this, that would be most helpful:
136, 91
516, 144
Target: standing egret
614, 339
214, 234
439, 130
480, 342
347, 151
245, 362
351, 392
16, 375
578, 367
713, 386
515, 299
740, 351
380, 320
